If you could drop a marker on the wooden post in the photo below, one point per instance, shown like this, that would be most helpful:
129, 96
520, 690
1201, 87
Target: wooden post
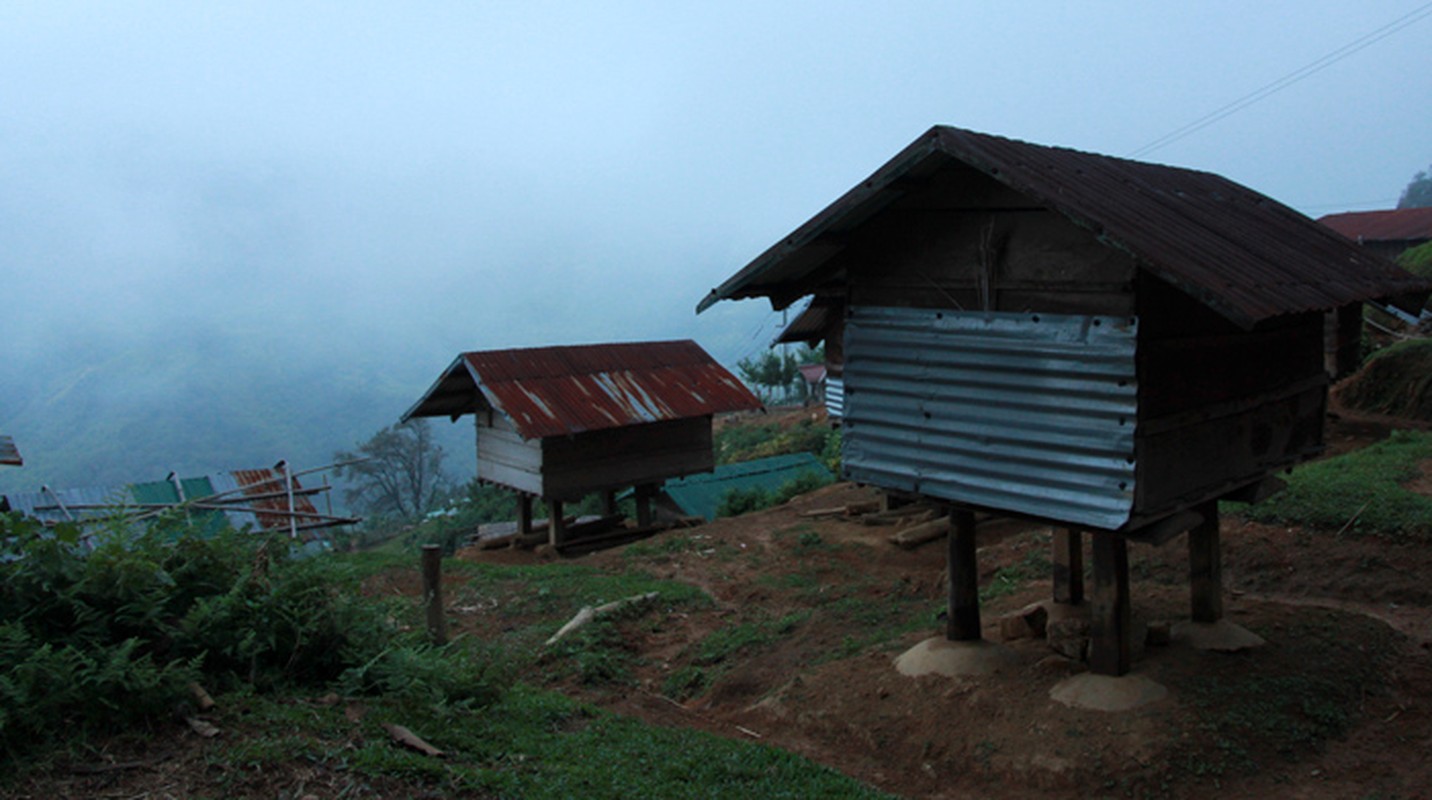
1109, 652
963, 623
433, 593
609, 503
644, 493
1068, 566
556, 529
524, 513
1205, 566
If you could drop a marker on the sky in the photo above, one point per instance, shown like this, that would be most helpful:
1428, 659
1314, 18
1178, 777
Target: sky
392, 183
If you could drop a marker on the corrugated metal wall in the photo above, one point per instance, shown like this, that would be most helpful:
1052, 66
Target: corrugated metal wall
834, 397
1027, 413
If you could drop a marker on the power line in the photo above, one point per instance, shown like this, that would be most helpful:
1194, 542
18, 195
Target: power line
1284, 82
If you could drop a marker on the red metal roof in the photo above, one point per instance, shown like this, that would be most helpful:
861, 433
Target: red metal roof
1400, 224
1241, 253
259, 487
554, 391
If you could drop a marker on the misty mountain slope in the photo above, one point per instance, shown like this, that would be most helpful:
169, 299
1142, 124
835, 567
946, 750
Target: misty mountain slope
139, 413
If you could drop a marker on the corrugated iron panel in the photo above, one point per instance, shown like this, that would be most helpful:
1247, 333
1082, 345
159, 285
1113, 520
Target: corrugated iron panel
1399, 224
9, 453
1241, 253
257, 483
834, 397
51, 506
1031, 414
556, 391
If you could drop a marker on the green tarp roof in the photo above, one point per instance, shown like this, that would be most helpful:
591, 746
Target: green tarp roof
701, 495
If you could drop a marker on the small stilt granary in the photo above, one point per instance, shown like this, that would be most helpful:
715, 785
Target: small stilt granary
561, 423
1107, 345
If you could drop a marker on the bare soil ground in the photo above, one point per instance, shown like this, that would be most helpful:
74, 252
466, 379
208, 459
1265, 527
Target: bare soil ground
1334, 706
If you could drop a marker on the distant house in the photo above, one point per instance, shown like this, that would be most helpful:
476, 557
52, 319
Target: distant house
561, 423
702, 495
258, 499
1107, 345
1386, 233
9, 453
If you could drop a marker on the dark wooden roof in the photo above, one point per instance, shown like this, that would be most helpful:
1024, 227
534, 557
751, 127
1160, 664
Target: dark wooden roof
1239, 252
553, 391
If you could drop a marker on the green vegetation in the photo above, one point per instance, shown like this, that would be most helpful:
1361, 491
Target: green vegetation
1358, 493
749, 442
90, 643
1008, 580
712, 656
1247, 723
99, 643
1417, 260
740, 501
1396, 380
530, 744
776, 377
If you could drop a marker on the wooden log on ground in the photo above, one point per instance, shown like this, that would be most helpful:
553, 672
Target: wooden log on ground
589, 613
909, 515
923, 533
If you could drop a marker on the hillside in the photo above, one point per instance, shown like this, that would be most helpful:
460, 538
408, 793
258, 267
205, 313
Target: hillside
138, 413
778, 628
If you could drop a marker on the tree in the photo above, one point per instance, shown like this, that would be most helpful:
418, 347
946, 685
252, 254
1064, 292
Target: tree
396, 474
1418, 193
779, 374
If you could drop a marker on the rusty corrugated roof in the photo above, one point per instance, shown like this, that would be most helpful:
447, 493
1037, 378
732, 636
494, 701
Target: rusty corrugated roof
9, 453
1243, 254
266, 490
554, 391
1398, 225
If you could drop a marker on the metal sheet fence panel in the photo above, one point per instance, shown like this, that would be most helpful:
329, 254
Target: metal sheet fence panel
834, 397
1026, 413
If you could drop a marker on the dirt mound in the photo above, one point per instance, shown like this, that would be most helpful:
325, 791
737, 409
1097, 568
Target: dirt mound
1396, 381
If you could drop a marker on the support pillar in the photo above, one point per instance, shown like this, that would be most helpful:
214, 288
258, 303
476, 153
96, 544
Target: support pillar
524, 513
609, 503
1110, 626
644, 494
1068, 566
556, 528
963, 623
1205, 566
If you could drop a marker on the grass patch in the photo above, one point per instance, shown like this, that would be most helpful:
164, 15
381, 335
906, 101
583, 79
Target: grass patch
1363, 488
530, 744
1245, 723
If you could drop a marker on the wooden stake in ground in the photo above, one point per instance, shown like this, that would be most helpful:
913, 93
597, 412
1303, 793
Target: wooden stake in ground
588, 613
433, 593
963, 624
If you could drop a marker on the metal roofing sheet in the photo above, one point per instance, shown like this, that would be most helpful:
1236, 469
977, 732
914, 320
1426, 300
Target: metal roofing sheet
9, 453
1399, 224
1032, 414
554, 391
702, 495
1241, 253
267, 490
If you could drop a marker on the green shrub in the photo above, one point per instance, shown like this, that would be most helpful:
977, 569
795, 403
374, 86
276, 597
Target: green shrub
1359, 492
92, 641
740, 501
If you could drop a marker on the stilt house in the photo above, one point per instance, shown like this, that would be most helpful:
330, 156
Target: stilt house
1104, 344
560, 423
